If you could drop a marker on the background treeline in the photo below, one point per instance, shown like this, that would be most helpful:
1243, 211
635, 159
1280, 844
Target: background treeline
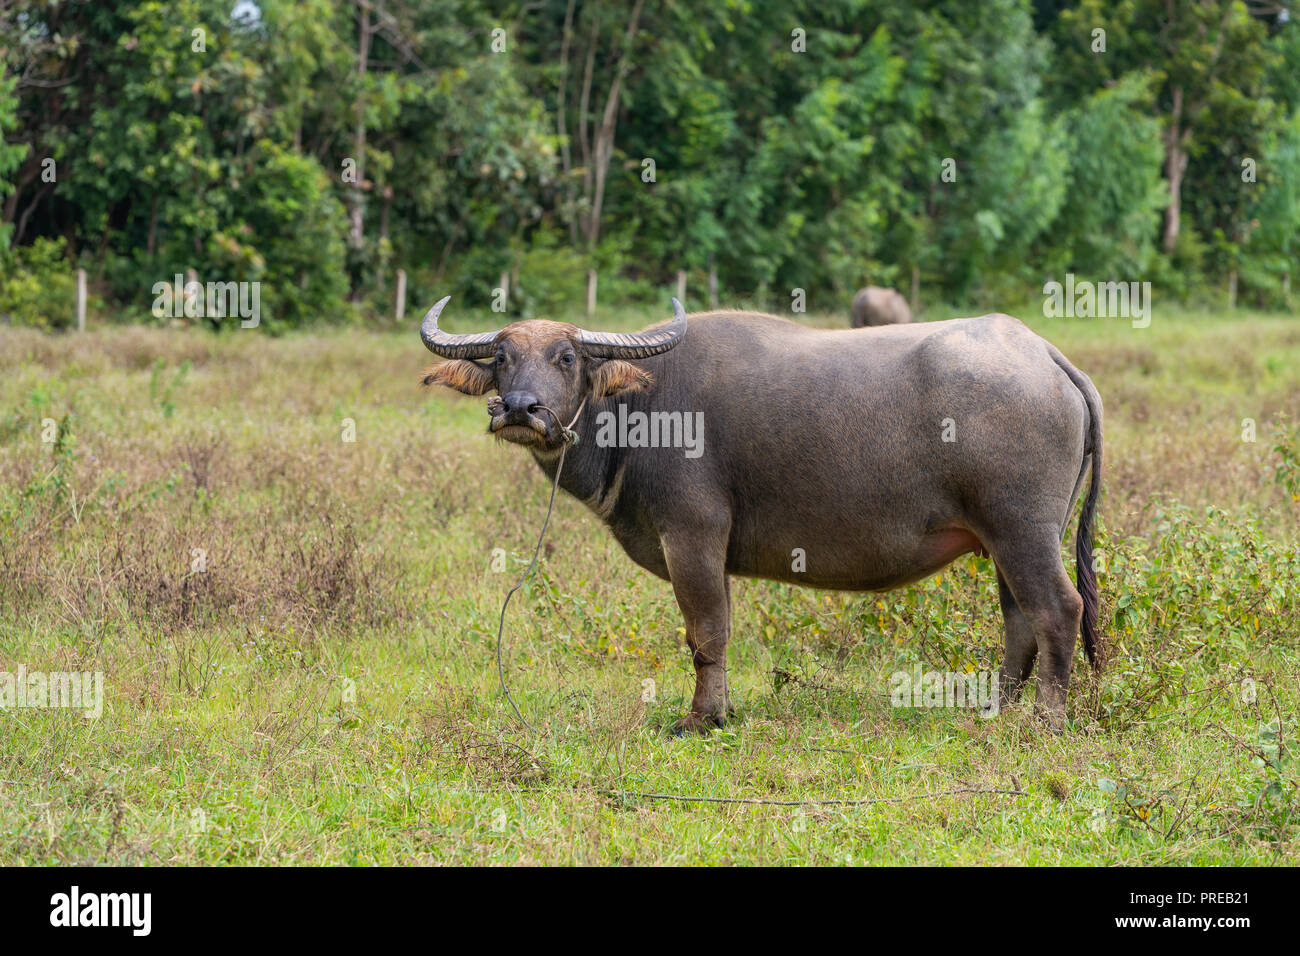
639, 137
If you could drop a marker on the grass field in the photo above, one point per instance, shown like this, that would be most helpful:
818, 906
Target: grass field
296, 632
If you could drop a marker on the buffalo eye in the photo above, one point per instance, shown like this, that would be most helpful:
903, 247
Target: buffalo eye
566, 358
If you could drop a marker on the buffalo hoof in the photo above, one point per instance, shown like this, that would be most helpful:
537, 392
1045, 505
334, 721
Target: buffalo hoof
694, 723
1054, 721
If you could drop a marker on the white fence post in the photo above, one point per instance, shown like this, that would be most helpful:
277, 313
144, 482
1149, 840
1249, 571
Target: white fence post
81, 300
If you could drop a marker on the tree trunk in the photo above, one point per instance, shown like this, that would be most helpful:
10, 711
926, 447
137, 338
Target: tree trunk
150, 242
604, 145
356, 231
25, 175
383, 232
584, 100
20, 227
102, 253
561, 120
1175, 166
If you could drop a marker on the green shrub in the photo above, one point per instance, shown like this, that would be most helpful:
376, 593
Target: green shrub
38, 286
290, 239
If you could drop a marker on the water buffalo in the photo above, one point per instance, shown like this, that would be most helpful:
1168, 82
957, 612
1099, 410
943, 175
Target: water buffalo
876, 306
876, 455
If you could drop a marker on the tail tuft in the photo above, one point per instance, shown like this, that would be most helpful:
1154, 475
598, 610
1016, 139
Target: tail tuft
1085, 573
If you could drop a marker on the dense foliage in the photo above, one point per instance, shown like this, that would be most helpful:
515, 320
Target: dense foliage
968, 150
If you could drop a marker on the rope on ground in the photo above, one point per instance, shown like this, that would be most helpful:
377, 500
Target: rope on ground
756, 801
841, 802
570, 438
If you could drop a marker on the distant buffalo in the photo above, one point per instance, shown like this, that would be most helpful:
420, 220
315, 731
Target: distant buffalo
876, 306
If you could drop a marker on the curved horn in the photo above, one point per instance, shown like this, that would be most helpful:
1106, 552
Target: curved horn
635, 345
479, 345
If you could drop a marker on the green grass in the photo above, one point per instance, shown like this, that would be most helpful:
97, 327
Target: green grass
326, 691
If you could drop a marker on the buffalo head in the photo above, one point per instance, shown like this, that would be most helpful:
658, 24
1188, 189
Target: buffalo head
542, 370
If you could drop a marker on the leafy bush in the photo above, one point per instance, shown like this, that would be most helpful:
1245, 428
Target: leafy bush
1115, 174
290, 239
1208, 593
552, 277
1270, 253
39, 286
11, 154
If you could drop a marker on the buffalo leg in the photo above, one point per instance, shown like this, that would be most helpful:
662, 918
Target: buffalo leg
699, 579
731, 704
1021, 646
1052, 607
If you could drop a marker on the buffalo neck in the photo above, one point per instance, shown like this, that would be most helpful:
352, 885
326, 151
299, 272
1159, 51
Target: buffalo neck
588, 468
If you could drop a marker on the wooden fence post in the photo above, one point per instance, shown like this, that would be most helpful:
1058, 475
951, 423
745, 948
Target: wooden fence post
681, 287
591, 292
81, 300
400, 309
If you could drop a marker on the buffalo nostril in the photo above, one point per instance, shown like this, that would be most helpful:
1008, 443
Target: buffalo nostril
520, 401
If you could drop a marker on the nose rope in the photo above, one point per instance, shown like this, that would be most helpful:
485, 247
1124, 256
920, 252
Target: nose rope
566, 431
496, 405
570, 437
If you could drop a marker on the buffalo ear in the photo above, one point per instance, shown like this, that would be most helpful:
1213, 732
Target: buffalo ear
460, 374
614, 375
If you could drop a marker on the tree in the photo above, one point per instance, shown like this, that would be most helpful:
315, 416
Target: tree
594, 123
1211, 59
1115, 150
1274, 241
11, 154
